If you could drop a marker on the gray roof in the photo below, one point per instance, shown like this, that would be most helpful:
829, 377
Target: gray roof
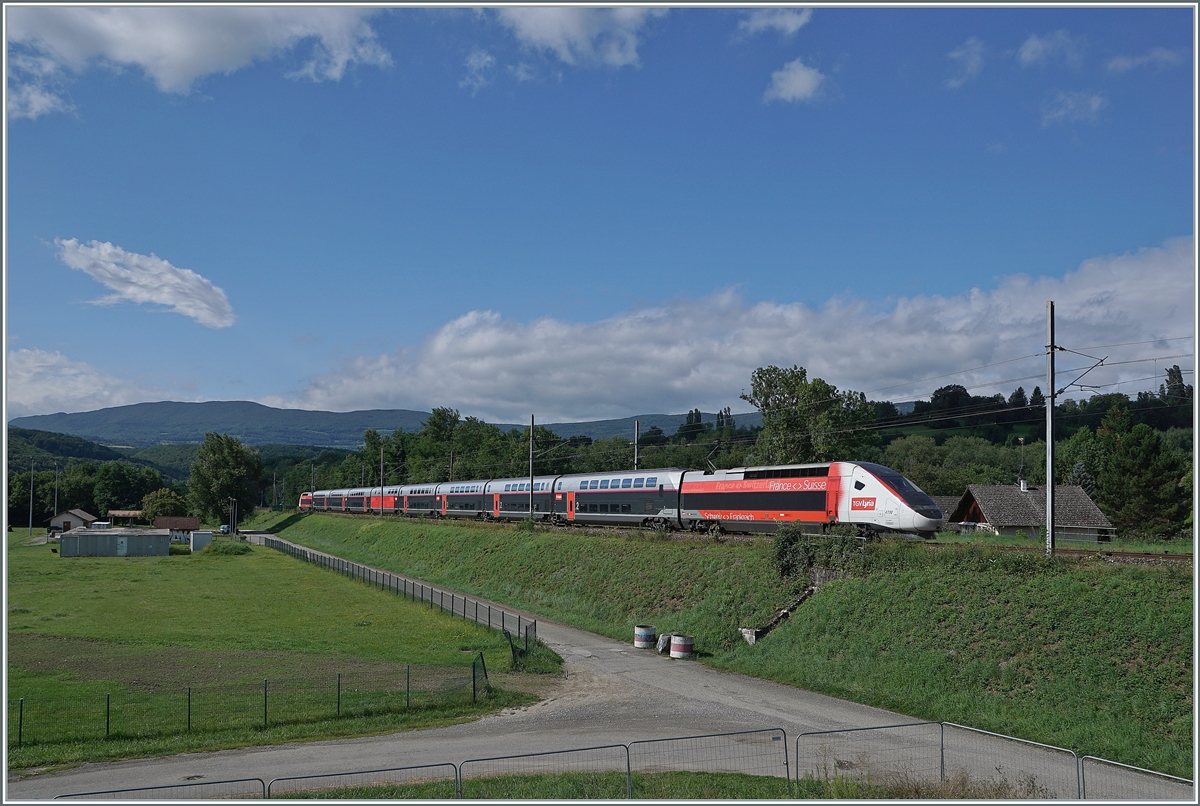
1007, 505
78, 513
946, 503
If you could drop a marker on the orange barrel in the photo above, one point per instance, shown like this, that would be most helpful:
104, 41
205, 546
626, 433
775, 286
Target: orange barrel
644, 636
681, 646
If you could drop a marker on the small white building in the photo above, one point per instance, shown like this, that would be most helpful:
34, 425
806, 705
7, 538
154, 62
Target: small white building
71, 519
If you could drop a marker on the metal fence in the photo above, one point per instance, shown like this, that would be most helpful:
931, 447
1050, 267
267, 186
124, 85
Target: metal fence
238, 788
1101, 779
1008, 766
589, 772
751, 752
449, 602
982, 763
81, 712
928, 753
887, 755
435, 782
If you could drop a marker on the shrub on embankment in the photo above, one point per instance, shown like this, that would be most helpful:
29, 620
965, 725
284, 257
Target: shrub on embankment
1088, 655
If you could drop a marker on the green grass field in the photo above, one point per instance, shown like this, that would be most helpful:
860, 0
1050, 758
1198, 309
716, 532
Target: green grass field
115, 643
1088, 655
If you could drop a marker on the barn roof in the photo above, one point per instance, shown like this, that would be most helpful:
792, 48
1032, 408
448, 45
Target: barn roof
178, 522
1008, 505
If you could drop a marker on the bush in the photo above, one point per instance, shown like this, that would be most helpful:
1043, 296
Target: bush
227, 547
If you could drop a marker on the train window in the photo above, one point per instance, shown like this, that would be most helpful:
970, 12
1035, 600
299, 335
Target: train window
604, 507
604, 484
626, 484
650, 482
627, 507
616, 484
638, 482
594, 485
858, 485
506, 487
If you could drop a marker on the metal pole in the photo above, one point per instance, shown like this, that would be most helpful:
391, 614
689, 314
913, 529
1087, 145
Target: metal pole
31, 498
339, 696
636, 438
407, 685
264, 703
189, 709
530, 468
1050, 395
20, 720
381, 477
56, 488
107, 713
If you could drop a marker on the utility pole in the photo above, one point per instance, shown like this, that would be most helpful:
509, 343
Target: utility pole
56, 488
312, 488
31, 498
636, 439
1050, 396
381, 478
531, 467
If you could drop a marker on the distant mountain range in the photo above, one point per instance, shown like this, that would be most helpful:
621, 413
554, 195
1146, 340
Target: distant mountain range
169, 423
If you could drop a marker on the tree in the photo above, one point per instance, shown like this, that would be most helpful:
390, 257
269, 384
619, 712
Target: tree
224, 469
807, 421
1174, 390
1017, 399
1037, 399
121, 485
164, 502
1139, 488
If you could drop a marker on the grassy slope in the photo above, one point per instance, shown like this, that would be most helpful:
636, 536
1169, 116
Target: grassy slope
1091, 656
601, 581
1087, 655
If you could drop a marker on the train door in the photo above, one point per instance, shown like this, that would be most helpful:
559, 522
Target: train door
495, 505
891, 512
570, 505
444, 498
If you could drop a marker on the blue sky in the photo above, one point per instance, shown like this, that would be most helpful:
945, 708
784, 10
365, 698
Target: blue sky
581, 213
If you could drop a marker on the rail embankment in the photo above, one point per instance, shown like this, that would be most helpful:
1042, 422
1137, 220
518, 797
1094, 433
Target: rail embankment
1075, 652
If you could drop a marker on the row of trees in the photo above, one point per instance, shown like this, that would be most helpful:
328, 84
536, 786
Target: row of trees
1139, 475
95, 487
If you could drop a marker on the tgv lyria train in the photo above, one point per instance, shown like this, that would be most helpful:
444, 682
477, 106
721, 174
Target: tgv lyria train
745, 499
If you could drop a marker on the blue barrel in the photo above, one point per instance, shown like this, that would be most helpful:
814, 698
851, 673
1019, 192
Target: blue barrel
644, 636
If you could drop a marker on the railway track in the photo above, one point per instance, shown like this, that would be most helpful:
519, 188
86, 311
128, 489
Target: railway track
1113, 555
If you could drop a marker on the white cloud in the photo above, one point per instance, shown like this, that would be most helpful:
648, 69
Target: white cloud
969, 56
785, 20
701, 352
1065, 107
42, 382
175, 46
1159, 57
479, 67
579, 35
148, 278
1058, 45
794, 82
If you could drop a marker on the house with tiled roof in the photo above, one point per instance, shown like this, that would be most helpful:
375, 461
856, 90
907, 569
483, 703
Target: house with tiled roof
1009, 509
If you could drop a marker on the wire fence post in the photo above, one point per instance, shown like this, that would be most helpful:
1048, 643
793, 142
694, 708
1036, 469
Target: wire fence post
264, 703
189, 710
107, 712
472, 681
407, 686
20, 720
339, 694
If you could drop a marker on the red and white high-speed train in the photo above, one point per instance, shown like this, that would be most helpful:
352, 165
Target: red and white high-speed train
745, 499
